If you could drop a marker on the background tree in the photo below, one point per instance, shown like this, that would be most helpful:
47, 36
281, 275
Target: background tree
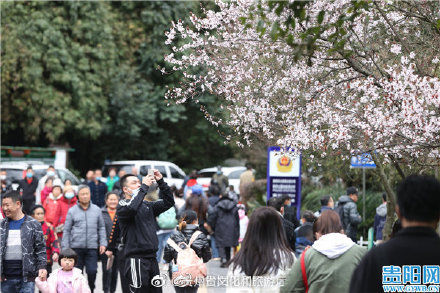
85, 74
376, 90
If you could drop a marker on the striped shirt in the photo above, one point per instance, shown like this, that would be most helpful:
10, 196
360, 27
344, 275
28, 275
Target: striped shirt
13, 257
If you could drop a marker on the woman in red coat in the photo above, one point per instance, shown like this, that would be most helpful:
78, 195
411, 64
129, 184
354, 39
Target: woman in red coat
52, 245
52, 205
57, 205
46, 190
67, 201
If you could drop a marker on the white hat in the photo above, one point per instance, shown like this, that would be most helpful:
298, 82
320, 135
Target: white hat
57, 182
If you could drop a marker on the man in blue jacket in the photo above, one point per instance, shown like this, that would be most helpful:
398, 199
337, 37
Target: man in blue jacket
137, 220
98, 189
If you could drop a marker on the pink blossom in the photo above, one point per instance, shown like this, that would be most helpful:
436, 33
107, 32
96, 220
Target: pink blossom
373, 100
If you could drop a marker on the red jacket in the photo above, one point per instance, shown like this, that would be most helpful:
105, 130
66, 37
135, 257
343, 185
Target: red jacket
66, 204
56, 210
45, 193
53, 210
51, 239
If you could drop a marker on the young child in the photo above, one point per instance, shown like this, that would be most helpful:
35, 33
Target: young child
46, 190
52, 203
187, 227
52, 244
65, 279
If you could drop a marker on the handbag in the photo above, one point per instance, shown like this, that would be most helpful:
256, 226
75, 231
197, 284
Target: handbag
303, 269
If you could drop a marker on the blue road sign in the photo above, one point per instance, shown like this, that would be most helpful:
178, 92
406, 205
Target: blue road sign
362, 161
284, 176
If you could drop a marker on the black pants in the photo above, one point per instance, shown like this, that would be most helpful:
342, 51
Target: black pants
188, 289
121, 267
225, 253
89, 259
49, 268
140, 272
27, 205
109, 277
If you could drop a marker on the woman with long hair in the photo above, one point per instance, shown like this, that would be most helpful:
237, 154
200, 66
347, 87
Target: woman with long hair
199, 204
327, 265
264, 255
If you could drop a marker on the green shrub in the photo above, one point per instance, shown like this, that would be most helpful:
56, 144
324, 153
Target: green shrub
312, 196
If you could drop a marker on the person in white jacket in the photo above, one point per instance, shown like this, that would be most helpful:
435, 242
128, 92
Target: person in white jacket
51, 172
65, 279
264, 258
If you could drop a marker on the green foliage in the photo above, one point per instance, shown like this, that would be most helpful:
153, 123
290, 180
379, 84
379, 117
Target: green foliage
85, 74
57, 61
372, 201
253, 205
312, 196
299, 12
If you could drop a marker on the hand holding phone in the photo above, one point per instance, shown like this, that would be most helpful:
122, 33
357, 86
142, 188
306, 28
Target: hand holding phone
157, 175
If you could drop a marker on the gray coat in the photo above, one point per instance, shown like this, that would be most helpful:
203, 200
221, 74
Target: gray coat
84, 228
351, 216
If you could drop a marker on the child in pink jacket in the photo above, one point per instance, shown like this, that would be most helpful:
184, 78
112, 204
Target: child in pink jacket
67, 278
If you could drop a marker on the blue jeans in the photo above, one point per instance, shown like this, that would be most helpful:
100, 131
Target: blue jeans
89, 259
162, 238
214, 248
17, 286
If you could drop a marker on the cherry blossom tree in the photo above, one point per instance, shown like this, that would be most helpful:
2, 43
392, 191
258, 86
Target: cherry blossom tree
376, 91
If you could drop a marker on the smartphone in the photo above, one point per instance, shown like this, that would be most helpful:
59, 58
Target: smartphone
150, 172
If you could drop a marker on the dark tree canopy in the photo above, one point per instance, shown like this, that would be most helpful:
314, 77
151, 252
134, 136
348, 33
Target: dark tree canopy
85, 74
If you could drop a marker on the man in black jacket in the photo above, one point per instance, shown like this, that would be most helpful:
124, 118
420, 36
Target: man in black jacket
413, 255
22, 247
289, 228
225, 222
28, 187
289, 211
137, 219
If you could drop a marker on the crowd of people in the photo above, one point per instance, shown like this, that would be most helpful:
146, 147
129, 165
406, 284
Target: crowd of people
136, 226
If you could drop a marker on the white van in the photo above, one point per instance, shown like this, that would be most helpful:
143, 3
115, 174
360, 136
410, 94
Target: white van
172, 174
15, 172
233, 174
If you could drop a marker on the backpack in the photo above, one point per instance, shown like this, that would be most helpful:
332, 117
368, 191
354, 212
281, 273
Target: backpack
189, 268
340, 210
167, 220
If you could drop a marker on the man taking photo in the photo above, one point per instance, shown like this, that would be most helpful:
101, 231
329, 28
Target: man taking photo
137, 220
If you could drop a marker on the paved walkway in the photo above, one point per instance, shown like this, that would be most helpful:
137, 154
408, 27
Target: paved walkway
214, 270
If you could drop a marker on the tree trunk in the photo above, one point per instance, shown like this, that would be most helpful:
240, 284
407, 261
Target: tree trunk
391, 198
